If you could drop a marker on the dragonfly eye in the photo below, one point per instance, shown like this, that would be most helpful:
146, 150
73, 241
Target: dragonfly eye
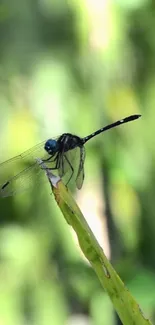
51, 146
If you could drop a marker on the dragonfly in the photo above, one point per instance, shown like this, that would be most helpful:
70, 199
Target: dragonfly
60, 154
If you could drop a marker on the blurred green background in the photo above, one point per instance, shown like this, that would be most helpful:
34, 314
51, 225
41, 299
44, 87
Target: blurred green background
74, 67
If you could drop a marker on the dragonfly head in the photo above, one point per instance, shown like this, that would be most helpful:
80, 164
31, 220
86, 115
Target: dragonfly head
51, 146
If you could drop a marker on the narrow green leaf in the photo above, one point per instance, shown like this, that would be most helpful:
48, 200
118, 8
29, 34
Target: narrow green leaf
123, 302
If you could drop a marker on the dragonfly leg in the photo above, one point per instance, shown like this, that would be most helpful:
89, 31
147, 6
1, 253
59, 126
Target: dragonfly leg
71, 167
57, 163
49, 159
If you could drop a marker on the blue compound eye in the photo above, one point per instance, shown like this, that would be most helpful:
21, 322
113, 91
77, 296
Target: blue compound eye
51, 146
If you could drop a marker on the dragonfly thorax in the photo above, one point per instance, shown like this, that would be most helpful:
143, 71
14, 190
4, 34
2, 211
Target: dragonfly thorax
68, 141
51, 146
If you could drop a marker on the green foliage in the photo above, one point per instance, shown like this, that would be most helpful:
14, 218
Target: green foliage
127, 308
76, 66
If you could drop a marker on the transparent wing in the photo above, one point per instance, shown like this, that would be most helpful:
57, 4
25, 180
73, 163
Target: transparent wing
72, 166
17, 174
22, 181
80, 173
67, 161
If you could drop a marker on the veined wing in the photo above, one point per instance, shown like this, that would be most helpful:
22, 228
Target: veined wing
22, 181
80, 173
17, 174
67, 161
70, 166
